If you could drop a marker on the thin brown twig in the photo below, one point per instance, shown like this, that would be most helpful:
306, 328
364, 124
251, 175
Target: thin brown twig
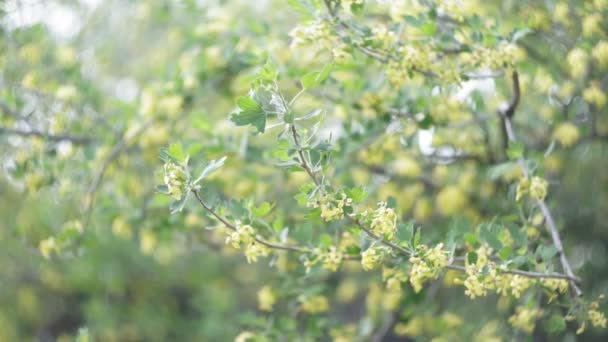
77, 140
257, 238
507, 116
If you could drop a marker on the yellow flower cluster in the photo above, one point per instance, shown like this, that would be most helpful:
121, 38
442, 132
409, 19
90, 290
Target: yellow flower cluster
600, 53
244, 235
427, 264
524, 318
595, 95
577, 60
266, 298
383, 220
555, 286
537, 188
383, 36
176, 178
393, 277
504, 55
331, 259
596, 317
314, 304
314, 31
372, 257
332, 206
484, 275
48, 246
566, 134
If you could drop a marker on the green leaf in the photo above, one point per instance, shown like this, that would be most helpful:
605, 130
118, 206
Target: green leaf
326, 240
213, 165
519, 34
555, 324
268, 72
405, 232
176, 151
489, 234
162, 188
546, 252
315, 78
471, 257
357, 194
281, 150
416, 238
178, 205
429, 28
499, 170
516, 150
262, 210
251, 113
505, 253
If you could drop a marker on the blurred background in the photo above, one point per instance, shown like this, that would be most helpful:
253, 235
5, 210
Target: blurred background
91, 90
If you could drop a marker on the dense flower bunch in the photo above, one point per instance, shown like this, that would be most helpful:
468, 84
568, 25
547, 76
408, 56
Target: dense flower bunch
372, 257
176, 179
244, 236
332, 206
382, 220
536, 187
427, 264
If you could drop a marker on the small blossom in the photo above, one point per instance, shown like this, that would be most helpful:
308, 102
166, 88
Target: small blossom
314, 304
48, 246
524, 319
538, 188
384, 221
255, 250
332, 206
427, 264
566, 134
176, 178
266, 298
597, 318
331, 259
371, 258
577, 60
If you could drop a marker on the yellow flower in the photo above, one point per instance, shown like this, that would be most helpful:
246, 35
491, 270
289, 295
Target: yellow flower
577, 60
121, 228
66, 92
384, 221
426, 264
332, 206
600, 53
561, 13
524, 319
592, 24
48, 246
314, 304
597, 318
538, 188
245, 336
407, 167
175, 179
451, 200
255, 250
595, 95
566, 134
371, 258
266, 298
148, 242
170, 105
331, 259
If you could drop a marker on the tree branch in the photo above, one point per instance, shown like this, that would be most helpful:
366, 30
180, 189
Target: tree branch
303, 162
77, 140
257, 238
507, 115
